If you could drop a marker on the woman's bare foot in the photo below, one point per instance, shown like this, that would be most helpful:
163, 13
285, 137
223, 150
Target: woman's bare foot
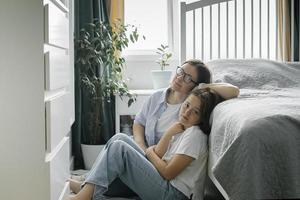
75, 186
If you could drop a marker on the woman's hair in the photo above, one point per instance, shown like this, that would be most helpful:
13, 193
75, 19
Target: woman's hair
209, 99
203, 73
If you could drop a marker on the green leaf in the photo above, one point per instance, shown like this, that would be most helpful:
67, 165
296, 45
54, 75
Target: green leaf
131, 38
136, 36
130, 101
118, 69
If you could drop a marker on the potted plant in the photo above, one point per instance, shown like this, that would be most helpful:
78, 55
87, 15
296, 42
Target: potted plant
161, 78
100, 65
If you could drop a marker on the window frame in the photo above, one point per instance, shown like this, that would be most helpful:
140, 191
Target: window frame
172, 35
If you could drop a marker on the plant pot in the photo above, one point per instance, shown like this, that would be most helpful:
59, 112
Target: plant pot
90, 153
161, 79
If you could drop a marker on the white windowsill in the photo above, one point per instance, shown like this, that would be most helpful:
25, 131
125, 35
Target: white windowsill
144, 55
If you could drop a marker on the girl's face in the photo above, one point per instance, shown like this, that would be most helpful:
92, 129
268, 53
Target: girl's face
189, 114
178, 84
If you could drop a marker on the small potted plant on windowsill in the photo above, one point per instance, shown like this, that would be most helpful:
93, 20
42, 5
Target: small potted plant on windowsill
161, 78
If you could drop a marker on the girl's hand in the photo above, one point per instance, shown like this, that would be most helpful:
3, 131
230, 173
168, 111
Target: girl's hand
175, 129
150, 150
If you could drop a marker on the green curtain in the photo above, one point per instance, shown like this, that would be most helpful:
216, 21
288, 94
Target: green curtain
87, 11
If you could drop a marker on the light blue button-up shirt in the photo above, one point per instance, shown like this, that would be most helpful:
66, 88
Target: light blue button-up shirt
151, 111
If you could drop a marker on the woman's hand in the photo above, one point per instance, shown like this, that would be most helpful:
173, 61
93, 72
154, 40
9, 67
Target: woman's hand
175, 129
225, 90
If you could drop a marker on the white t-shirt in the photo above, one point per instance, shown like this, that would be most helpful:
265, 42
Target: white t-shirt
167, 118
192, 142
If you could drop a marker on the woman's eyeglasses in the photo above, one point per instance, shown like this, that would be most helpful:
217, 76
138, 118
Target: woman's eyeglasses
187, 78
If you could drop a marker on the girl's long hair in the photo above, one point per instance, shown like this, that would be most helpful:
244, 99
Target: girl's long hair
209, 99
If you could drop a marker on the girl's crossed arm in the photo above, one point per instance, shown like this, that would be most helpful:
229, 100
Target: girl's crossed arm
179, 162
168, 170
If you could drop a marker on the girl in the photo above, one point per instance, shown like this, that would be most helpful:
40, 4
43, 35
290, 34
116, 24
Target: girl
168, 170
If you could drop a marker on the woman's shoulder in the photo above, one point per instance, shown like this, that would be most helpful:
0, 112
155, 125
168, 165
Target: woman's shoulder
159, 94
160, 91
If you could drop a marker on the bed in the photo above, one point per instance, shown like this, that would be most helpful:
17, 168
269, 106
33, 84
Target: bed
254, 145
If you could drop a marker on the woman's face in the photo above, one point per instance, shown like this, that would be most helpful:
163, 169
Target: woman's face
179, 85
189, 114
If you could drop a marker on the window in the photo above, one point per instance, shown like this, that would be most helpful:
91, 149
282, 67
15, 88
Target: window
154, 21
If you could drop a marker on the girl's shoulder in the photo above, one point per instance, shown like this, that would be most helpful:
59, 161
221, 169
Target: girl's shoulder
194, 130
194, 133
193, 142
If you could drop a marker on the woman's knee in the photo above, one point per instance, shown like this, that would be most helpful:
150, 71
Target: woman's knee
121, 147
119, 136
122, 136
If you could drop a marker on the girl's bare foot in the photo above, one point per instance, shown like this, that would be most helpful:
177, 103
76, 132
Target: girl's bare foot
75, 186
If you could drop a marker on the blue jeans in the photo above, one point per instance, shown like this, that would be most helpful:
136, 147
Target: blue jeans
122, 158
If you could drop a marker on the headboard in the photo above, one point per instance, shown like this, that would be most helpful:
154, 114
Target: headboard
214, 29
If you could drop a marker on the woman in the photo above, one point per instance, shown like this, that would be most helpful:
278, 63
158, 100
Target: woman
161, 109
168, 170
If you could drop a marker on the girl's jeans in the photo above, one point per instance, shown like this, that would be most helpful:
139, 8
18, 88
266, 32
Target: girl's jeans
122, 158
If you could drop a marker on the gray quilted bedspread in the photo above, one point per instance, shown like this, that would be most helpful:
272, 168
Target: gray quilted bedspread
254, 146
